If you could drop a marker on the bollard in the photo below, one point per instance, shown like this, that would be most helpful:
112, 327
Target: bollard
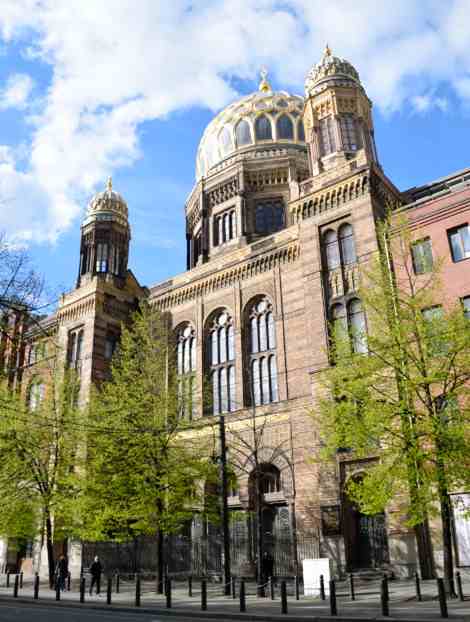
384, 597
283, 597
418, 588
322, 587
69, 580
21, 580
242, 596
333, 605
190, 587
297, 588
15, 586
203, 595
57, 588
117, 583
459, 586
109, 590
442, 598
271, 588
234, 588
82, 589
36, 587
352, 592
8, 579
168, 592
385, 581
137, 590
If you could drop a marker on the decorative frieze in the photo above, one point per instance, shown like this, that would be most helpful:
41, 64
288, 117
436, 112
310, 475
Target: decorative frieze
260, 179
223, 192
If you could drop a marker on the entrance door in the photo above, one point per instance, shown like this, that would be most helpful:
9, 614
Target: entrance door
366, 538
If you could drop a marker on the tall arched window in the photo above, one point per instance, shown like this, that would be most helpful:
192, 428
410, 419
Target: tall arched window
284, 127
269, 216
263, 130
243, 133
36, 395
224, 227
185, 368
301, 131
102, 257
339, 320
330, 242
261, 335
270, 479
357, 326
346, 241
225, 141
220, 362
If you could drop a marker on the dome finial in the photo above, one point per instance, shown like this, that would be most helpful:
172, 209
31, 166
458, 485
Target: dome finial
264, 85
327, 50
109, 184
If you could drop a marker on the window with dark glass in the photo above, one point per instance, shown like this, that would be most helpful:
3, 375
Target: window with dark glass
301, 131
338, 247
421, 253
269, 216
224, 227
74, 349
243, 133
327, 136
262, 349
110, 345
357, 326
349, 135
346, 242
220, 352
185, 369
263, 130
36, 395
459, 239
285, 127
466, 306
101, 257
270, 479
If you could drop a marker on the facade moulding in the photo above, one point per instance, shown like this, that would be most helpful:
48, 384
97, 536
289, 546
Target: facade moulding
227, 278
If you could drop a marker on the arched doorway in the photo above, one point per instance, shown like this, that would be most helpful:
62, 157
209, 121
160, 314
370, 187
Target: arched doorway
365, 536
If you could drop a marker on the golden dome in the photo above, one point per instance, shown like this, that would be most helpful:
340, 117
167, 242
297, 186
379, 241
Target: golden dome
256, 120
107, 205
330, 69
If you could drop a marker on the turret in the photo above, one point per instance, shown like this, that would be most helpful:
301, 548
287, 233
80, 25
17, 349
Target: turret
337, 115
105, 237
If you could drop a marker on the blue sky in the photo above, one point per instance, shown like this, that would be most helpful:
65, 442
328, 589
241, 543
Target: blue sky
126, 89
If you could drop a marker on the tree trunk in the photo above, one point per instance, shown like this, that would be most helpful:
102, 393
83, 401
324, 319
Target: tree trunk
425, 552
446, 521
50, 549
160, 568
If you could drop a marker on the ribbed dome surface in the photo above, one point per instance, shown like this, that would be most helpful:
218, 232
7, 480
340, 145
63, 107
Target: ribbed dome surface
107, 205
330, 68
257, 119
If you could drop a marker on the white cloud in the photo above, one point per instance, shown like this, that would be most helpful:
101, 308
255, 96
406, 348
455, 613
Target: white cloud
17, 91
116, 65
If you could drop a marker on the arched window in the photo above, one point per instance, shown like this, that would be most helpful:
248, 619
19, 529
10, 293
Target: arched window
225, 141
221, 362
270, 479
263, 130
224, 228
102, 257
346, 241
330, 243
349, 134
269, 216
185, 369
262, 353
284, 127
327, 136
243, 133
301, 131
357, 326
339, 320
36, 395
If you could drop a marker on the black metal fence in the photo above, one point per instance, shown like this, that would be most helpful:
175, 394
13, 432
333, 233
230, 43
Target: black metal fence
199, 557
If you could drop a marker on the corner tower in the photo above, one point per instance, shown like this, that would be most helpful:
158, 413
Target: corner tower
337, 116
105, 237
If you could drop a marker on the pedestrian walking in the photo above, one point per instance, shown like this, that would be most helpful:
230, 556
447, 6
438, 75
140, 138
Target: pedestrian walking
62, 571
95, 570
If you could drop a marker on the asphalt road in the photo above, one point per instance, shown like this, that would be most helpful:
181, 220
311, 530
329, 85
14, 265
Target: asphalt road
12, 612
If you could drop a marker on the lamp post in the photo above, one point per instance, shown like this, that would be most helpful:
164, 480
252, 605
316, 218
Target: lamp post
225, 517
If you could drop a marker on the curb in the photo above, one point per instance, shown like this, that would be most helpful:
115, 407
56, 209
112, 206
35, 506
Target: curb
189, 613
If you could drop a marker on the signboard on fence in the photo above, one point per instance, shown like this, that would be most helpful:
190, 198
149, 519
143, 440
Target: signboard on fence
313, 569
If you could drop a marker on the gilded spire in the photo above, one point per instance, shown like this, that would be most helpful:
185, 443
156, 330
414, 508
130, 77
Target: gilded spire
109, 184
327, 51
264, 85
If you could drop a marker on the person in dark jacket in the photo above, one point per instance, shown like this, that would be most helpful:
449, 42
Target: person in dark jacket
62, 571
267, 565
95, 570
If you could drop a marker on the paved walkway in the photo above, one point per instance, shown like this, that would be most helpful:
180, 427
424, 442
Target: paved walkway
367, 606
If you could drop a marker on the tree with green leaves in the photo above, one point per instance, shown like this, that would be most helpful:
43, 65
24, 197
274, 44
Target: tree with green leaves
404, 396
39, 437
146, 462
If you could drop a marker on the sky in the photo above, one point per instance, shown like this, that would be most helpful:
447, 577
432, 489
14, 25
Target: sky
126, 87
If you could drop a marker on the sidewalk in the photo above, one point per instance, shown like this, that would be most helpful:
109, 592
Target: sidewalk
403, 605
